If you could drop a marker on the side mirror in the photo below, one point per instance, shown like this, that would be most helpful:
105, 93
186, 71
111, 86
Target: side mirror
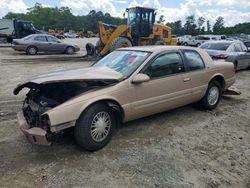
140, 78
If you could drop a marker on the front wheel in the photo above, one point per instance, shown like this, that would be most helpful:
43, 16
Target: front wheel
212, 96
95, 127
70, 50
120, 42
159, 42
31, 50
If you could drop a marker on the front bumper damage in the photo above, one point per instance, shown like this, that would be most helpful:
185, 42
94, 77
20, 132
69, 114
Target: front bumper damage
35, 135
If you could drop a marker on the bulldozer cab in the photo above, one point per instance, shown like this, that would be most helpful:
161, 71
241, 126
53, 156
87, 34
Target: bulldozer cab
141, 21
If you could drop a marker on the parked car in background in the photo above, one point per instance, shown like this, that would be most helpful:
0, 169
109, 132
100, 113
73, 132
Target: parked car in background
35, 43
247, 43
71, 35
182, 39
233, 51
196, 41
127, 84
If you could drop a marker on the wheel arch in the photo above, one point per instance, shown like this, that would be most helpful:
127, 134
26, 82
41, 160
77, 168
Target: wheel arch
110, 102
220, 78
68, 47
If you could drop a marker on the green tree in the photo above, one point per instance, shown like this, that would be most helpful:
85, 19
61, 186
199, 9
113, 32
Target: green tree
208, 27
177, 28
219, 25
161, 19
190, 26
200, 22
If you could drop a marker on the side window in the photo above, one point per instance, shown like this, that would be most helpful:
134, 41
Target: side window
166, 64
40, 38
51, 39
194, 60
237, 48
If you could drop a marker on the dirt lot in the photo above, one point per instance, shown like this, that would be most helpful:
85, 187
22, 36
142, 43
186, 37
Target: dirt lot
185, 147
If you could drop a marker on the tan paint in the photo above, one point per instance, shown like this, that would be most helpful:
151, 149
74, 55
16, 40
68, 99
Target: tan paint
142, 99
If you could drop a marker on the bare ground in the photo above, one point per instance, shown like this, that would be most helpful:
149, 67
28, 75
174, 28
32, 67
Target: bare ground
185, 147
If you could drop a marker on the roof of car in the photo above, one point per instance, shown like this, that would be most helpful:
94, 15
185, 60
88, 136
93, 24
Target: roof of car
41, 34
156, 48
223, 41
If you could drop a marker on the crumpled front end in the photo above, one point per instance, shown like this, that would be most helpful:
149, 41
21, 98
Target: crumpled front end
34, 135
34, 118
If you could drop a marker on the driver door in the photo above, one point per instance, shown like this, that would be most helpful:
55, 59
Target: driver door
169, 86
54, 44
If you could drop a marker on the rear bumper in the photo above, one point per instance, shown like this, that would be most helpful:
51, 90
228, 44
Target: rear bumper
34, 135
19, 47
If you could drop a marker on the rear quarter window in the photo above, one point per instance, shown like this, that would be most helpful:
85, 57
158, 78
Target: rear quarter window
193, 60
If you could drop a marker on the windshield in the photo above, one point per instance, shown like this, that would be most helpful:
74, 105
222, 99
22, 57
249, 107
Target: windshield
132, 16
28, 26
125, 62
216, 46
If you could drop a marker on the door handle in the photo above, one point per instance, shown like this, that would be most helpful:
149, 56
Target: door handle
186, 79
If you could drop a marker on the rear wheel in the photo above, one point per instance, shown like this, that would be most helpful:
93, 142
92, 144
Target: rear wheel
212, 96
159, 42
95, 127
70, 50
120, 42
235, 65
31, 50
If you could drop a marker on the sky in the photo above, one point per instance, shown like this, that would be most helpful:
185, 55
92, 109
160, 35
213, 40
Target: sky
233, 11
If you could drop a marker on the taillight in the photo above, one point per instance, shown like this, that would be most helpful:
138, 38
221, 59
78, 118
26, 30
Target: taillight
221, 56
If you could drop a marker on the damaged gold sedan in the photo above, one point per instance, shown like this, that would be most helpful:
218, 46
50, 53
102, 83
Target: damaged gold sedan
127, 84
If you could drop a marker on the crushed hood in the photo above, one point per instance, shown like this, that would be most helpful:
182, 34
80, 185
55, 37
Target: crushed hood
90, 73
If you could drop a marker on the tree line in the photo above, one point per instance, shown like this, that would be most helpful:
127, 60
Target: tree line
45, 18
62, 19
198, 26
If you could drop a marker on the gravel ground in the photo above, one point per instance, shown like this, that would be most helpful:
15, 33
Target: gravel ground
185, 147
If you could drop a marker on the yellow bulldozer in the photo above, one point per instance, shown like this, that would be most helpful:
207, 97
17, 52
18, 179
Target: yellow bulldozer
140, 30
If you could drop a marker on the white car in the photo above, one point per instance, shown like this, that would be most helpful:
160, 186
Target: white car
70, 35
196, 41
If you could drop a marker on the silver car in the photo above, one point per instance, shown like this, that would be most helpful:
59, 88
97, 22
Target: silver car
231, 51
35, 43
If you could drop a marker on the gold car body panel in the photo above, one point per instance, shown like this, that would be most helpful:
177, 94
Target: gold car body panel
139, 100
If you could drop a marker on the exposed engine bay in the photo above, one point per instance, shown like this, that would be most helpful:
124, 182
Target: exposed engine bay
43, 97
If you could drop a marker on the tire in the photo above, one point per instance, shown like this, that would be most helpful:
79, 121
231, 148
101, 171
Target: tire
211, 98
120, 42
90, 49
70, 50
185, 44
87, 127
235, 66
248, 68
31, 50
159, 42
